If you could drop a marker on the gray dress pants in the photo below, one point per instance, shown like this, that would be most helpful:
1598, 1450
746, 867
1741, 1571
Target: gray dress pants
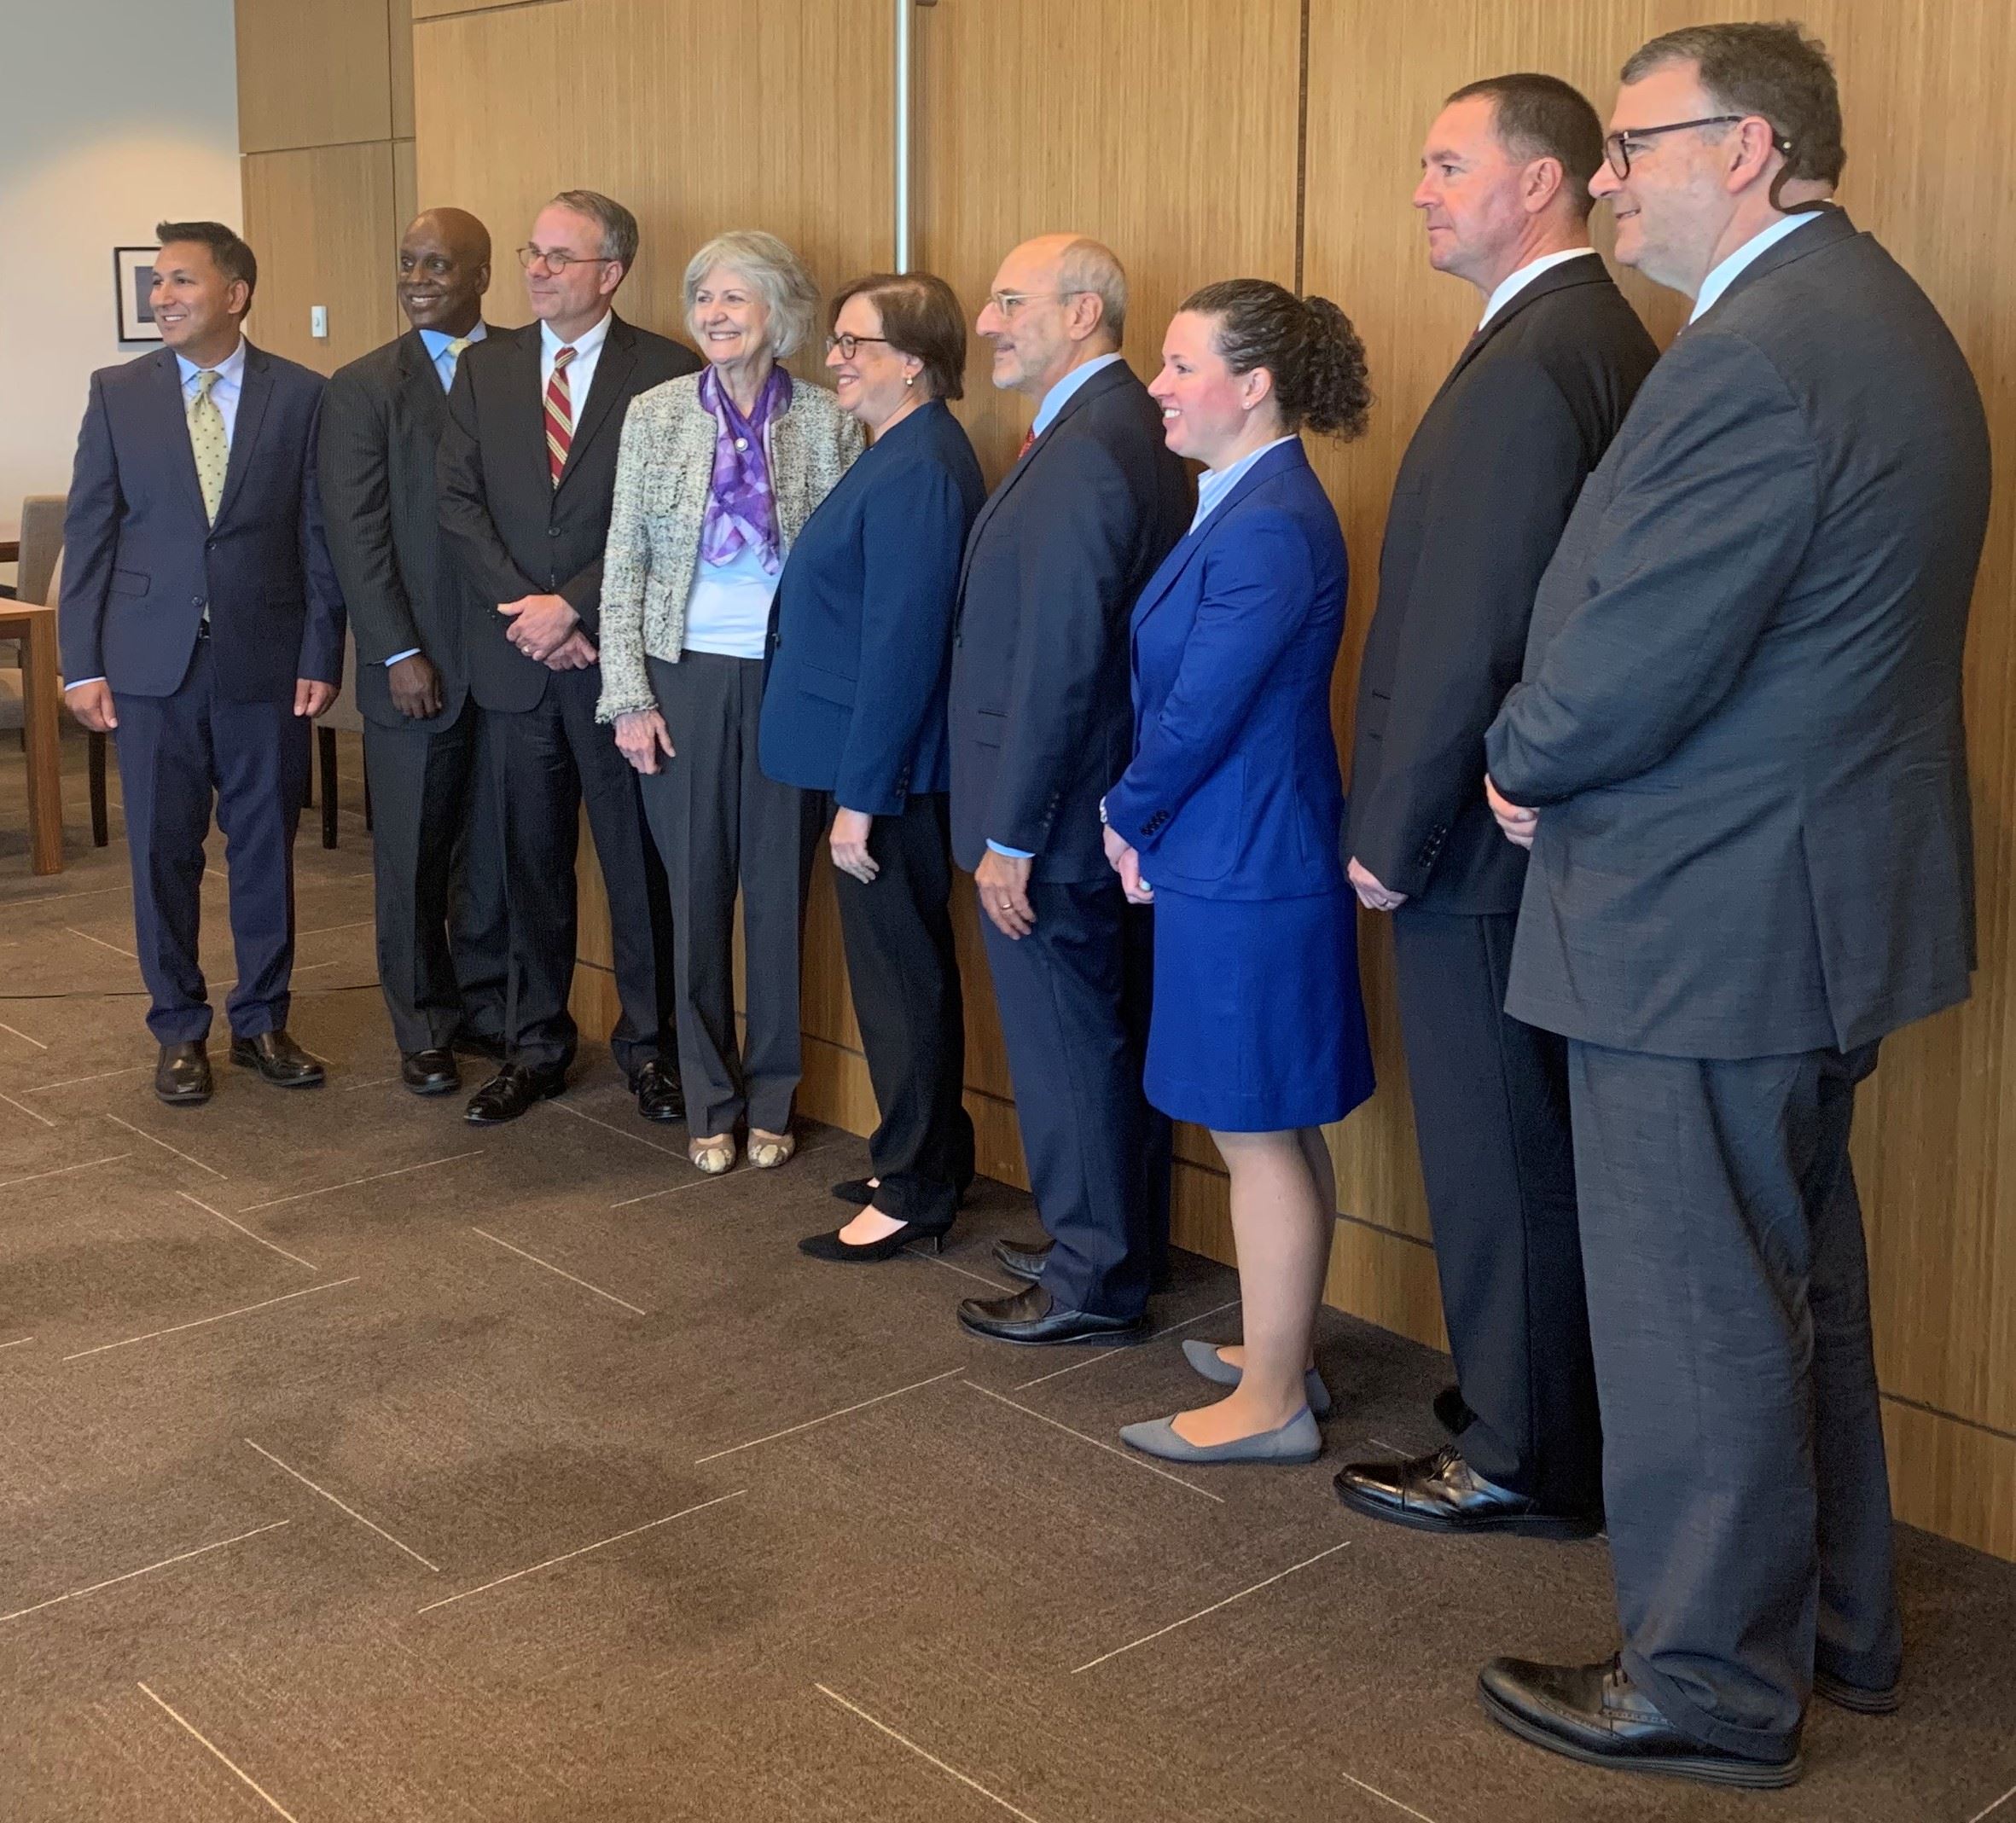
720, 824
1743, 1462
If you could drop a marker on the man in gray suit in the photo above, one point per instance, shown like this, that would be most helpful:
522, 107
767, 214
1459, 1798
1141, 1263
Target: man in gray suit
1738, 757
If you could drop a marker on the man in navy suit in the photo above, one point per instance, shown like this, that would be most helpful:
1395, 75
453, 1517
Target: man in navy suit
201, 624
1042, 723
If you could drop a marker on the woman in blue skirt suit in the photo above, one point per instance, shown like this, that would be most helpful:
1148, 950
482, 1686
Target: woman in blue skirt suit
1229, 820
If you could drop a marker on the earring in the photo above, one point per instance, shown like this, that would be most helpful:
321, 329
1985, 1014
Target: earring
910, 379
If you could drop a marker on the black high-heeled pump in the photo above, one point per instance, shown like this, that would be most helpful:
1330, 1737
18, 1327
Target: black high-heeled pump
832, 1247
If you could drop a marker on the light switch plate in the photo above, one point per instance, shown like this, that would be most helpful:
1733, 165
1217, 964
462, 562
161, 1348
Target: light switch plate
318, 322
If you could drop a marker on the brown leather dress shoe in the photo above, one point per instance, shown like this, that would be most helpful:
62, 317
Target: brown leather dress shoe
182, 1077
277, 1058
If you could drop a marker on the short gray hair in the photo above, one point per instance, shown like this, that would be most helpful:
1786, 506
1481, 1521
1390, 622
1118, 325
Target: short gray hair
774, 271
618, 224
1093, 268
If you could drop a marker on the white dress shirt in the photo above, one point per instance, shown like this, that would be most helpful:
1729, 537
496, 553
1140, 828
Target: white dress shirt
1510, 288
1723, 276
230, 383
588, 350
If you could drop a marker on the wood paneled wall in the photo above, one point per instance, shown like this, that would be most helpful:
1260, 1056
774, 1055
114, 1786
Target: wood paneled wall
1273, 138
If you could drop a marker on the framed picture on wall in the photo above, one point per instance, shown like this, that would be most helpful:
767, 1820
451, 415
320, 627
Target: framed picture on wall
133, 274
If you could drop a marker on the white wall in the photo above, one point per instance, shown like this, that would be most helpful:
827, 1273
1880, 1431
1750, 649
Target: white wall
117, 114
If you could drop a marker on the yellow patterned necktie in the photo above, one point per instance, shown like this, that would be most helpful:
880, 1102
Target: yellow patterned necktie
455, 351
207, 441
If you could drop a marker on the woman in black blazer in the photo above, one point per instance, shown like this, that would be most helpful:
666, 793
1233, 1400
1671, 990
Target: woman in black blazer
854, 708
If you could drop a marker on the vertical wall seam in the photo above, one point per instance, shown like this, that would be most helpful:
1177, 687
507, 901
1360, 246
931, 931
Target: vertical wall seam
1302, 147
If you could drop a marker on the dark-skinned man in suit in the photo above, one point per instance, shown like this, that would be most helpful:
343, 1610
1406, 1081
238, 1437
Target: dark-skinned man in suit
527, 475
1737, 753
436, 846
201, 625
1042, 723
1486, 485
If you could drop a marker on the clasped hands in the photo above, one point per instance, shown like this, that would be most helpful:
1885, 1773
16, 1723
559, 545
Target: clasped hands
547, 630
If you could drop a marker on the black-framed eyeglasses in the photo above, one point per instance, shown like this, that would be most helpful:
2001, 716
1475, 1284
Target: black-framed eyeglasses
849, 345
560, 261
1618, 146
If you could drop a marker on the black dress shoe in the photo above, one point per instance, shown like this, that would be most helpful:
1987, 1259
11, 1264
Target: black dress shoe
430, 1071
1451, 1412
1441, 1493
1025, 1263
832, 1247
1596, 1714
482, 1044
182, 1077
658, 1092
511, 1091
278, 1059
1859, 1697
1030, 1318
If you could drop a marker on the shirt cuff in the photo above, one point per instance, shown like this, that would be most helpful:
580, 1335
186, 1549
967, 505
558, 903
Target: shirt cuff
80, 682
411, 652
1013, 854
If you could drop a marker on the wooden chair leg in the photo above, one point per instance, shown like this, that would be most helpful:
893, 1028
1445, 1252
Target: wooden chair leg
326, 742
95, 762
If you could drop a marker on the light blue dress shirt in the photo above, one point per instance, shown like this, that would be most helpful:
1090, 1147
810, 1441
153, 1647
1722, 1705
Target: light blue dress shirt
1214, 483
436, 341
1724, 275
1046, 414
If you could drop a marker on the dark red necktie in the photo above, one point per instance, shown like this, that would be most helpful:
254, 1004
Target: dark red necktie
559, 415
1029, 438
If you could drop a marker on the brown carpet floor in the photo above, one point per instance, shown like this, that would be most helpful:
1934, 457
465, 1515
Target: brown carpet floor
360, 1464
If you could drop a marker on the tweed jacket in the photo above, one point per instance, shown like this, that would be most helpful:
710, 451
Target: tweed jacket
664, 469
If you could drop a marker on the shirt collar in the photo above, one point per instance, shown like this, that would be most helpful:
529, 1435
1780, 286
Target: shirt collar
588, 342
1214, 483
1060, 394
229, 371
1509, 288
436, 341
1724, 275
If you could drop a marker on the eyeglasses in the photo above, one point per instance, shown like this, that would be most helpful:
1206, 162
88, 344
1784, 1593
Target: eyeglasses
559, 261
1006, 303
849, 345
1618, 146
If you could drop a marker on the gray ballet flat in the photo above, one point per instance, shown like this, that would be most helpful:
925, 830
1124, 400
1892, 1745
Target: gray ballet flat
1204, 1356
1296, 1441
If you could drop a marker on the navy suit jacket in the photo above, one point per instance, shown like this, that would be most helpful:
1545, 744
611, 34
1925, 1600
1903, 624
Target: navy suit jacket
861, 627
1040, 718
1234, 790
141, 562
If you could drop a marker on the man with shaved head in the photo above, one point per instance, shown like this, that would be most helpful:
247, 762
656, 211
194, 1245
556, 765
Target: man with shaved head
1041, 723
438, 859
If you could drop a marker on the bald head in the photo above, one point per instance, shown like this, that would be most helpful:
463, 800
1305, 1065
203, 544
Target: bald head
445, 270
1059, 301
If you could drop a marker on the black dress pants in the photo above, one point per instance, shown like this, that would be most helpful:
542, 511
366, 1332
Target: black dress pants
1743, 1469
903, 972
549, 762
719, 824
437, 858
1491, 1106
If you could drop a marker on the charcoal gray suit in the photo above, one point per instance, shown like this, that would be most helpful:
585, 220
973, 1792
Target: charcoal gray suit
1482, 492
1741, 720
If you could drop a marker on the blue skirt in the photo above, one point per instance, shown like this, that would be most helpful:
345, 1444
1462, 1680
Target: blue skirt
1259, 1026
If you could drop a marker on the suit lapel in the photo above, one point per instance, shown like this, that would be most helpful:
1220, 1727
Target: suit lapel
1832, 224
612, 379
419, 385
525, 405
1588, 270
253, 391
175, 428
1191, 545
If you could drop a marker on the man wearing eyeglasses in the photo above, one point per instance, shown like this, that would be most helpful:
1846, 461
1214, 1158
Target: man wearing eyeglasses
527, 473
1041, 723
1737, 757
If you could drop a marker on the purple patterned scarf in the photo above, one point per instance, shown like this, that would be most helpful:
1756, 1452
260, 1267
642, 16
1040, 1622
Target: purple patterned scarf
741, 513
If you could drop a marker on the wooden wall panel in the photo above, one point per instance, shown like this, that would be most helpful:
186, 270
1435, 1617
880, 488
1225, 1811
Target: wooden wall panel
324, 226
312, 73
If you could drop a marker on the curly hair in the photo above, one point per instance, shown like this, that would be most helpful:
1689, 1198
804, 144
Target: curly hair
1307, 344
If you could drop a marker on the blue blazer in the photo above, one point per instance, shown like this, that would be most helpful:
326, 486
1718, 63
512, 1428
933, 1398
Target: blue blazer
1234, 790
861, 626
140, 561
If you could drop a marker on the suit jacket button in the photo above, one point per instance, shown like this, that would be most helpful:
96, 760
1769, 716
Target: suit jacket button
552, 532
195, 600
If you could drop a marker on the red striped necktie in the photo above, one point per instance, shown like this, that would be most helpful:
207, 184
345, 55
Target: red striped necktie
559, 415
1029, 438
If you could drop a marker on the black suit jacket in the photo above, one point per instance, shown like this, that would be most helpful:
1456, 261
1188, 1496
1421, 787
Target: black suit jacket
1042, 717
141, 562
1740, 714
1482, 492
381, 423
511, 532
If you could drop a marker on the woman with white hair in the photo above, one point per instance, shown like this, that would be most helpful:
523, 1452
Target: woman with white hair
718, 471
